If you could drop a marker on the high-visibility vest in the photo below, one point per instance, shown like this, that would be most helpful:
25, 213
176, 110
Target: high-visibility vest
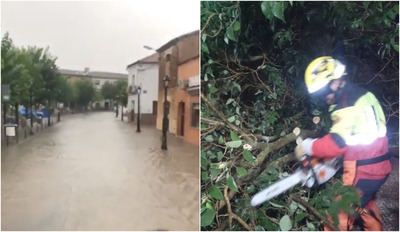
361, 123
358, 133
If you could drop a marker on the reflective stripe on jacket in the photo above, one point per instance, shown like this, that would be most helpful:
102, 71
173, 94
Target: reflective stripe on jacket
358, 133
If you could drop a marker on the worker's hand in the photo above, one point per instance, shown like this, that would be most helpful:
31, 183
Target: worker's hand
304, 148
299, 151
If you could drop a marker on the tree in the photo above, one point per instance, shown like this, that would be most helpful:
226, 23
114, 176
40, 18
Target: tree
65, 92
121, 92
108, 91
13, 71
85, 92
253, 57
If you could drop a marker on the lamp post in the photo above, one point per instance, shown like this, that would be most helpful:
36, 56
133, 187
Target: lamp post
122, 110
165, 117
139, 90
116, 109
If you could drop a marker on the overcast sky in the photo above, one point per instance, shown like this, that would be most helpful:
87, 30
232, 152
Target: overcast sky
101, 35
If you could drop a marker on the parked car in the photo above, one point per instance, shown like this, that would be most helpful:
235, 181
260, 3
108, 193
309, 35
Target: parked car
43, 113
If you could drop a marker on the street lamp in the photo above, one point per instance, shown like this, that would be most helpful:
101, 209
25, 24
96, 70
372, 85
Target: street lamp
122, 108
139, 90
165, 117
116, 108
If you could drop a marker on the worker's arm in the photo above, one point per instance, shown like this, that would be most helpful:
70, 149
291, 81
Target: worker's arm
329, 146
333, 144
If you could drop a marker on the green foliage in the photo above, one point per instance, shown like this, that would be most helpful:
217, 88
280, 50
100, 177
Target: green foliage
85, 92
216, 193
121, 92
207, 216
285, 223
253, 57
108, 90
32, 73
335, 198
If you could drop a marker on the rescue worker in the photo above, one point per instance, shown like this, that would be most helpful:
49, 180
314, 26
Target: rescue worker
358, 133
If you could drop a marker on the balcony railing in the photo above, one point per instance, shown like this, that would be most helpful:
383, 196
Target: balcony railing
194, 81
193, 85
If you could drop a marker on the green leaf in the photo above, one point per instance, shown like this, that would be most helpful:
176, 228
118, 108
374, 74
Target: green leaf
204, 37
299, 216
209, 138
259, 228
232, 118
273, 9
236, 26
234, 136
214, 172
220, 155
278, 9
241, 171
231, 33
395, 47
276, 205
310, 226
226, 40
285, 223
266, 10
207, 217
231, 183
221, 140
234, 144
293, 206
216, 193
230, 100
204, 176
248, 156
204, 160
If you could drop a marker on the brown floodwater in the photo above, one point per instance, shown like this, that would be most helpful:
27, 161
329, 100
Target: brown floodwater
94, 172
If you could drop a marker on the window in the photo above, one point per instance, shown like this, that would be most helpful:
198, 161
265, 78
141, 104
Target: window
195, 115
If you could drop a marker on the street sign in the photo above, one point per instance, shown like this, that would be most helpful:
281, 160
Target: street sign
5, 92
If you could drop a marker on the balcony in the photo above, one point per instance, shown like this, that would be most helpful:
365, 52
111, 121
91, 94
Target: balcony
193, 85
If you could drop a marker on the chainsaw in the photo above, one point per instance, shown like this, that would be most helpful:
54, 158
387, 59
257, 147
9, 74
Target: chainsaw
313, 172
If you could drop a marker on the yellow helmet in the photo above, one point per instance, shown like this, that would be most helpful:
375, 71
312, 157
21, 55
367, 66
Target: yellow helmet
321, 71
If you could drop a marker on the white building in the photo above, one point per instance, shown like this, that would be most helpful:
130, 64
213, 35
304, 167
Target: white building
98, 79
144, 74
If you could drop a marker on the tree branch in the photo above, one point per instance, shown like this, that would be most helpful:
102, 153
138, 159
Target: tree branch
232, 215
313, 211
261, 161
243, 133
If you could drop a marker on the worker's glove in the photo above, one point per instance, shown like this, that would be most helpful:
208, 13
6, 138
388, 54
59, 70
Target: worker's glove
304, 148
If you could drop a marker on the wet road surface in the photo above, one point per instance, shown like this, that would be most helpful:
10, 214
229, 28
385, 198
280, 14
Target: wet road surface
94, 172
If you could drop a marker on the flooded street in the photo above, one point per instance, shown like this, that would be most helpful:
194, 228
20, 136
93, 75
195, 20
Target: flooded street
94, 172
